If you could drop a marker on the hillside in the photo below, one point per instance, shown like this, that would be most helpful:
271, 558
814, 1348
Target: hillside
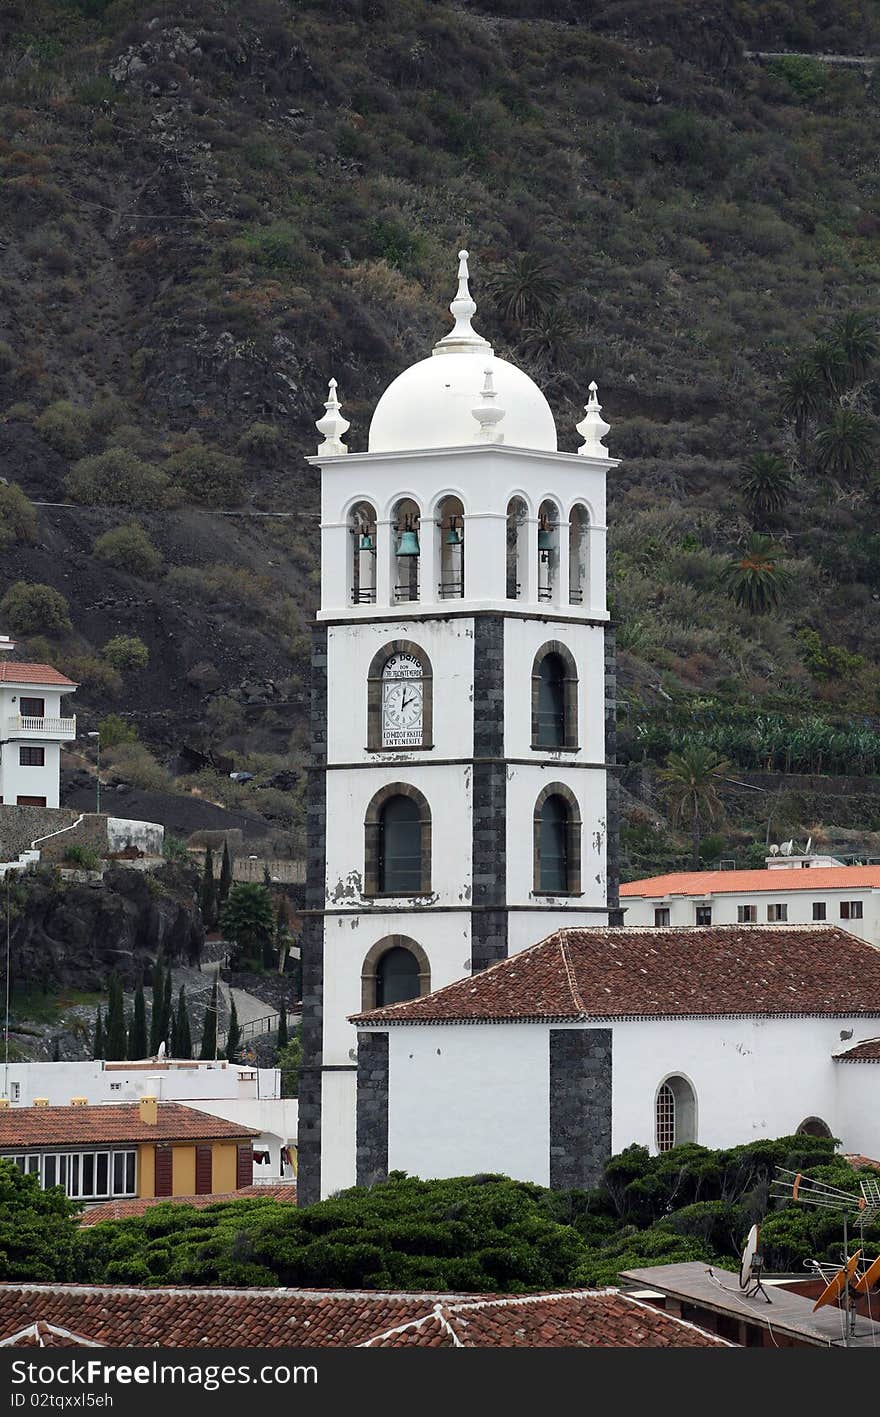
206, 209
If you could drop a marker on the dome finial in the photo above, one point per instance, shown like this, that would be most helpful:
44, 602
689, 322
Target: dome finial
593, 427
487, 413
333, 426
463, 336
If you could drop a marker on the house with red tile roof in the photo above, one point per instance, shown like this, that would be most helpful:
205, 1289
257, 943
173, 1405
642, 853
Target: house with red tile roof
34, 723
804, 890
68, 1315
548, 1062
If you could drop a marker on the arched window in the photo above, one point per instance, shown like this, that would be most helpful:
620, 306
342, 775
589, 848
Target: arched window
557, 828
362, 551
548, 550
398, 843
405, 550
449, 553
400, 708
517, 549
578, 555
395, 969
676, 1113
813, 1127
554, 698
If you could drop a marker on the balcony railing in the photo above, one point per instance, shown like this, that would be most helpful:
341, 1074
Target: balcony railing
24, 727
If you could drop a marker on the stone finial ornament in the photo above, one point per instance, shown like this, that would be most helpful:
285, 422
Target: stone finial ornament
593, 427
487, 413
333, 426
463, 337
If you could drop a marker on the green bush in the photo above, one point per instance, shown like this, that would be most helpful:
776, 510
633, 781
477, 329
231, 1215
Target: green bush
37, 1228
34, 609
65, 427
85, 857
807, 78
208, 475
18, 519
132, 762
260, 439
93, 673
118, 477
115, 730
126, 653
128, 548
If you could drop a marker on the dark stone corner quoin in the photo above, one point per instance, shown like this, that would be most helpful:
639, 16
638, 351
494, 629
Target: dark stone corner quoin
372, 1108
580, 1106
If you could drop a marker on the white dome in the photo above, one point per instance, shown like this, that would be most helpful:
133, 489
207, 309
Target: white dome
429, 405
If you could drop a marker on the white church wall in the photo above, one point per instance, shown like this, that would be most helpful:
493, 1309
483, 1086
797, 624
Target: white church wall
465, 1100
857, 1086
524, 785
338, 1125
799, 903
348, 796
586, 643
753, 1078
449, 645
348, 938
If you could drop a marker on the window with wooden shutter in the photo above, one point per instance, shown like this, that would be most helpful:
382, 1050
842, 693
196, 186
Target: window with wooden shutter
162, 1185
204, 1171
244, 1166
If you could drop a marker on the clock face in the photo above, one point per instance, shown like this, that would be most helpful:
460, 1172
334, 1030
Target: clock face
402, 703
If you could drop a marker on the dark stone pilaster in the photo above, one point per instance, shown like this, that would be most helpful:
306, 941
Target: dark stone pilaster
312, 939
580, 1106
372, 1108
489, 862
612, 803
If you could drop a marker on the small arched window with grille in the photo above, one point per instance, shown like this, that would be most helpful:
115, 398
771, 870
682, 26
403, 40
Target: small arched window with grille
675, 1113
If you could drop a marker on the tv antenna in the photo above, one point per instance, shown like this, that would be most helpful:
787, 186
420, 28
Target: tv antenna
774, 850
751, 1268
787, 848
841, 1281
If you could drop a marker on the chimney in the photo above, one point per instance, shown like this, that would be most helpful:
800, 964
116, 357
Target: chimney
79, 1102
148, 1111
41, 1102
5, 1104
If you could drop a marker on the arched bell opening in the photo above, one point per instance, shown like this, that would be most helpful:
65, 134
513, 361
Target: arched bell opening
548, 550
362, 554
449, 554
517, 548
578, 555
405, 550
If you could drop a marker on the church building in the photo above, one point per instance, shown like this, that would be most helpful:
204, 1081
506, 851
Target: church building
460, 805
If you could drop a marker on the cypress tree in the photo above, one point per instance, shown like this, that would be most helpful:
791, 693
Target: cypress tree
209, 1027
233, 1034
209, 892
137, 1034
225, 873
114, 1039
98, 1050
183, 1044
267, 877
167, 1007
156, 1034
282, 1025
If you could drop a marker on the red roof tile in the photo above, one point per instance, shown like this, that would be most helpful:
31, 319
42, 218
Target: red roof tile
287, 1318
22, 1127
12, 673
125, 1209
43, 1335
866, 1052
673, 972
861, 1163
705, 883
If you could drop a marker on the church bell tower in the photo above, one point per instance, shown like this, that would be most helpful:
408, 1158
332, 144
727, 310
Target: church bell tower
462, 704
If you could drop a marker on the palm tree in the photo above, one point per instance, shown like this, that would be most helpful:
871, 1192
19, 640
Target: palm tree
829, 364
845, 448
525, 288
549, 339
766, 485
690, 781
802, 399
755, 579
858, 340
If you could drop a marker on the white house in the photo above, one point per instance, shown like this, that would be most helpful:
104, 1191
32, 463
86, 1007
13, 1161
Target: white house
233, 1091
790, 891
458, 806
548, 1062
33, 725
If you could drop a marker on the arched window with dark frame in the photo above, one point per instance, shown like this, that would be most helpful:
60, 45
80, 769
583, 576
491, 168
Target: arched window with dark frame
557, 829
555, 699
398, 843
396, 968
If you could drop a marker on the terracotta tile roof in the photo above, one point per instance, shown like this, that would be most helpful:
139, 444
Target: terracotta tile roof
125, 1209
672, 972
43, 1335
862, 1163
12, 673
866, 1052
704, 883
22, 1127
287, 1318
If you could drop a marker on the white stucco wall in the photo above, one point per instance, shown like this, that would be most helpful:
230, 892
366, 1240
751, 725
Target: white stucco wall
146, 836
682, 909
21, 781
275, 1120
464, 1100
858, 1103
586, 644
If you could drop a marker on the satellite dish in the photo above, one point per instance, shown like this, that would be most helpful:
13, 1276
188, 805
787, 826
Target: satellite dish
774, 850
808, 845
787, 848
870, 1277
748, 1258
835, 1287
